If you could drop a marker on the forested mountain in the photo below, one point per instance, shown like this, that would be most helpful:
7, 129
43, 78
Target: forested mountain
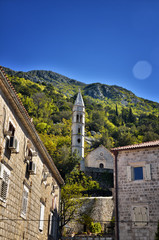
108, 94
114, 115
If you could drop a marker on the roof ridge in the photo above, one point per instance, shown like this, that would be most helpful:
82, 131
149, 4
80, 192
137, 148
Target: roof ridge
138, 145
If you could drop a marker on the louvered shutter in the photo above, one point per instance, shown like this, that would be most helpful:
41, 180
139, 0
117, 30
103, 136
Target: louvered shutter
148, 172
129, 173
41, 222
4, 183
25, 200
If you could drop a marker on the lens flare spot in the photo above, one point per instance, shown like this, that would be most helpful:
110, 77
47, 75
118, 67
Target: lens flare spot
142, 70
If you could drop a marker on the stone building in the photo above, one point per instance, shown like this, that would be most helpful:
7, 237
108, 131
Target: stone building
137, 191
99, 164
29, 181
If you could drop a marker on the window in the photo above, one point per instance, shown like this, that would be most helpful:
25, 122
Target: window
139, 172
78, 140
101, 165
41, 222
79, 130
53, 224
11, 128
80, 118
4, 182
140, 216
77, 118
24, 201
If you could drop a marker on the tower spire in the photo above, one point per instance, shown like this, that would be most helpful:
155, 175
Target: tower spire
79, 99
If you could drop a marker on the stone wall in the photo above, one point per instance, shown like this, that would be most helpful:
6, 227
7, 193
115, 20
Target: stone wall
138, 195
103, 176
100, 209
14, 225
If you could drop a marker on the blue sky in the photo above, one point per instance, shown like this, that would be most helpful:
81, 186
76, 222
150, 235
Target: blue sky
115, 42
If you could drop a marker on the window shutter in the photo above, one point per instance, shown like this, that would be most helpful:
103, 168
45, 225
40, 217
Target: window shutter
129, 173
41, 223
51, 224
4, 183
25, 200
140, 216
17, 148
148, 172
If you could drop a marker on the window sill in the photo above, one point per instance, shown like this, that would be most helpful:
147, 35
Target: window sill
23, 216
41, 231
3, 203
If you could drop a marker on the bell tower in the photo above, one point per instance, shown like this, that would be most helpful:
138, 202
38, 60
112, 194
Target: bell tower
78, 125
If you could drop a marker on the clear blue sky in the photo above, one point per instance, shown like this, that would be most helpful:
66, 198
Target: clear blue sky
115, 42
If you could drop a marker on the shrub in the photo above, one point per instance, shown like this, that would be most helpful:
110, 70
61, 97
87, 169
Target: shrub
95, 227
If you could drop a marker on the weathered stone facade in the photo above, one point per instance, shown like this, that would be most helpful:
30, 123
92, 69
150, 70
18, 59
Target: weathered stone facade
99, 158
27, 194
137, 189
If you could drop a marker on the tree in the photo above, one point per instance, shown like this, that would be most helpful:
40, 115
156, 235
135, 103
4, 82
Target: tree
131, 117
66, 161
71, 201
116, 112
77, 183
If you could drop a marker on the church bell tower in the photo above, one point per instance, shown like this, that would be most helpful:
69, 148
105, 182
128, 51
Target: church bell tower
78, 126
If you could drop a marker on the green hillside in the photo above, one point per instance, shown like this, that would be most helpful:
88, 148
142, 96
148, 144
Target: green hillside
114, 115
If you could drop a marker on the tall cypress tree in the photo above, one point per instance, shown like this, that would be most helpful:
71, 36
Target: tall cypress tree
116, 110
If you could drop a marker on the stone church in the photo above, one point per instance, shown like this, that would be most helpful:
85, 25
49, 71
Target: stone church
98, 162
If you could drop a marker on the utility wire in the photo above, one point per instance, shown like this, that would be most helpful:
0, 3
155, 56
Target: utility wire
55, 220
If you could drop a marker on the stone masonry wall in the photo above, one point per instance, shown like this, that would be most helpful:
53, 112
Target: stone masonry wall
138, 193
100, 209
14, 226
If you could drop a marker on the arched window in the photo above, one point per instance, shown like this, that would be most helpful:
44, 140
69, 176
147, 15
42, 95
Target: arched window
101, 165
79, 130
77, 118
80, 118
78, 140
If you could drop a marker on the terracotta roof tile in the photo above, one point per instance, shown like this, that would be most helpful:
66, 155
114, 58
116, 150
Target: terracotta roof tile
135, 146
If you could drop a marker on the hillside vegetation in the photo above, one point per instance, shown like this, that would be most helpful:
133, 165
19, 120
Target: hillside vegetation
114, 115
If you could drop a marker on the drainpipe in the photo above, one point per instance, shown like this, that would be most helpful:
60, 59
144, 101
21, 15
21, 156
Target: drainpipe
116, 197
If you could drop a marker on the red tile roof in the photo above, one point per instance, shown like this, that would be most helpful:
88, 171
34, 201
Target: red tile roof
135, 146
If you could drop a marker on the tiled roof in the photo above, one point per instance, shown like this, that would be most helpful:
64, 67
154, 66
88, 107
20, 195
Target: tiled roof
135, 146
